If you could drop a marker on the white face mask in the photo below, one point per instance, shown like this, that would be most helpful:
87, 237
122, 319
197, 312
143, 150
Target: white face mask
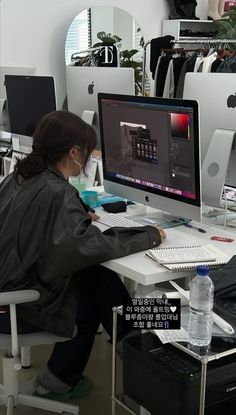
89, 161
78, 163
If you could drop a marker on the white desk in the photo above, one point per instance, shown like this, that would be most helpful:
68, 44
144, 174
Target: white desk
141, 269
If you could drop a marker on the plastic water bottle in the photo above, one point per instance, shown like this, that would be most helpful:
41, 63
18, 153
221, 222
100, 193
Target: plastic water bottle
201, 305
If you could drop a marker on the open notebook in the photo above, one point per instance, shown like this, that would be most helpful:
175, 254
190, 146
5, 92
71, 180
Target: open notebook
186, 258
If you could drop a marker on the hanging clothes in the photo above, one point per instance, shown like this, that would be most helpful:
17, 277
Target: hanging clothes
162, 71
208, 61
157, 44
216, 64
228, 66
172, 77
198, 62
169, 87
188, 66
178, 65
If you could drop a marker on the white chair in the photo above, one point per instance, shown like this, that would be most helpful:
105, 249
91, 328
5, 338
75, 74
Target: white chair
12, 393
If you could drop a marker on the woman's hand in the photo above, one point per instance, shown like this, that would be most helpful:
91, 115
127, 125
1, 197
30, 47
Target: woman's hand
93, 216
161, 231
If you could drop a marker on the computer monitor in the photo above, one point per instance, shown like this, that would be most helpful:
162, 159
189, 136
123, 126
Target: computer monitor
12, 70
9, 70
84, 83
216, 94
29, 99
150, 150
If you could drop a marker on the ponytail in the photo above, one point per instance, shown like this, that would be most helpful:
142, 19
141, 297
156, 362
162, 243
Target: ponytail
30, 165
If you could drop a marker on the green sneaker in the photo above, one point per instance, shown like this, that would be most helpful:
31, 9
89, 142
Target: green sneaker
82, 389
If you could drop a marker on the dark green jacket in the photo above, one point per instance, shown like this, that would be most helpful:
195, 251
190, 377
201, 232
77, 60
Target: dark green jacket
46, 235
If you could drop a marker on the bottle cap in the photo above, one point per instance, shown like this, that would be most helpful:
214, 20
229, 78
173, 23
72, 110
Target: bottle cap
202, 270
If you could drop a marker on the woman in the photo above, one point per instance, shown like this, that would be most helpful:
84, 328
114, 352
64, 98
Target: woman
48, 243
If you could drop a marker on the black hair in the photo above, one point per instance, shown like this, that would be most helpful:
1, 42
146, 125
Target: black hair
55, 134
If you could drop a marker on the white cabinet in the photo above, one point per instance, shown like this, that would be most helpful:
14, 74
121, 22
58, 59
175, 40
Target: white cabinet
189, 29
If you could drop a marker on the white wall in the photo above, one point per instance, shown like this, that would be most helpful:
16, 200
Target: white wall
33, 32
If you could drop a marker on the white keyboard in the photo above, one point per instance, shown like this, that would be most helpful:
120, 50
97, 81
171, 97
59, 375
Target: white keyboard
112, 219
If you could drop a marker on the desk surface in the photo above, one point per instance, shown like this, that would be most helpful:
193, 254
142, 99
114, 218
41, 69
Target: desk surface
143, 270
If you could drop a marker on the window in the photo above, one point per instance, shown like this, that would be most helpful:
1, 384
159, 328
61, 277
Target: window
137, 35
79, 35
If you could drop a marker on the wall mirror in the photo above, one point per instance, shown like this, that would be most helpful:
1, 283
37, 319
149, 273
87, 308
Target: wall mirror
82, 35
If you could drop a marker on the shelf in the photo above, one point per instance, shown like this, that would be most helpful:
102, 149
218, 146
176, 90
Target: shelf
175, 27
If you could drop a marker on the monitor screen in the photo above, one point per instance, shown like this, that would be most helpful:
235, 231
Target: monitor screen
150, 150
9, 70
29, 99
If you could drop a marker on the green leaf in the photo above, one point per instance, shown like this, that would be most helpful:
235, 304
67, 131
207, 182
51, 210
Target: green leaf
100, 35
226, 30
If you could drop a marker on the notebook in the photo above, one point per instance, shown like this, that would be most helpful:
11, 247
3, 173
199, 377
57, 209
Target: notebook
186, 258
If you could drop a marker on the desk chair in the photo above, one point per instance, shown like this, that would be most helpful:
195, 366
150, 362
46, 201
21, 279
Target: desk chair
11, 392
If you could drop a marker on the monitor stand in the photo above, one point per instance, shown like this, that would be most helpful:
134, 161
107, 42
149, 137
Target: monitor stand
2, 100
214, 167
88, 116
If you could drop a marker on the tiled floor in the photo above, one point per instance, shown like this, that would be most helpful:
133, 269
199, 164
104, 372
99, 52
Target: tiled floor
98, 402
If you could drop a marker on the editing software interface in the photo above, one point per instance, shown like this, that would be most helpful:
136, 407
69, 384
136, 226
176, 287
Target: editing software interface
151, 145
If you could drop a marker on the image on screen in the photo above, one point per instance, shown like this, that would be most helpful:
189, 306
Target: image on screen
137, 143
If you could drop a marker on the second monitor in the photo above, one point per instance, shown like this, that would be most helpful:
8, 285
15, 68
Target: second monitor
84, 84
29, 99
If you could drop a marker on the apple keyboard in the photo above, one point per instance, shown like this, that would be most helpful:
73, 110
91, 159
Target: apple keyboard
112, 220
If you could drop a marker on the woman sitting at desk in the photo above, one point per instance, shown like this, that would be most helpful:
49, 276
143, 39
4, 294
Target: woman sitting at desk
48, 243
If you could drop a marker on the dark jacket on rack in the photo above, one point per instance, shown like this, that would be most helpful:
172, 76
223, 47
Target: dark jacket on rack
46, 237
162, 71
228, 66
188, 66
157, 44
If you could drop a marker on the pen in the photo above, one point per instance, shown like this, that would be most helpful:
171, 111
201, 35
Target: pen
189, 225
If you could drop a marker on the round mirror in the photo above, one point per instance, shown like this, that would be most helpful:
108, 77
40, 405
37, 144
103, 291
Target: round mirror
96, 25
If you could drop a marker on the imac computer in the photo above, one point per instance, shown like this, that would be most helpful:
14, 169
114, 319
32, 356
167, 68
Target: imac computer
84, 84
29, 98
216, 95
150, 150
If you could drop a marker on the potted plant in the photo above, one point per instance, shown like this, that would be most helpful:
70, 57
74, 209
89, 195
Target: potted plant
227, 26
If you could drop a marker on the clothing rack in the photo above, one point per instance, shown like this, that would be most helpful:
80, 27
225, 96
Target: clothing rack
204, 41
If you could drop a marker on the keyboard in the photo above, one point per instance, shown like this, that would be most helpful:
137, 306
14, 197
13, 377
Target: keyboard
112, 220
